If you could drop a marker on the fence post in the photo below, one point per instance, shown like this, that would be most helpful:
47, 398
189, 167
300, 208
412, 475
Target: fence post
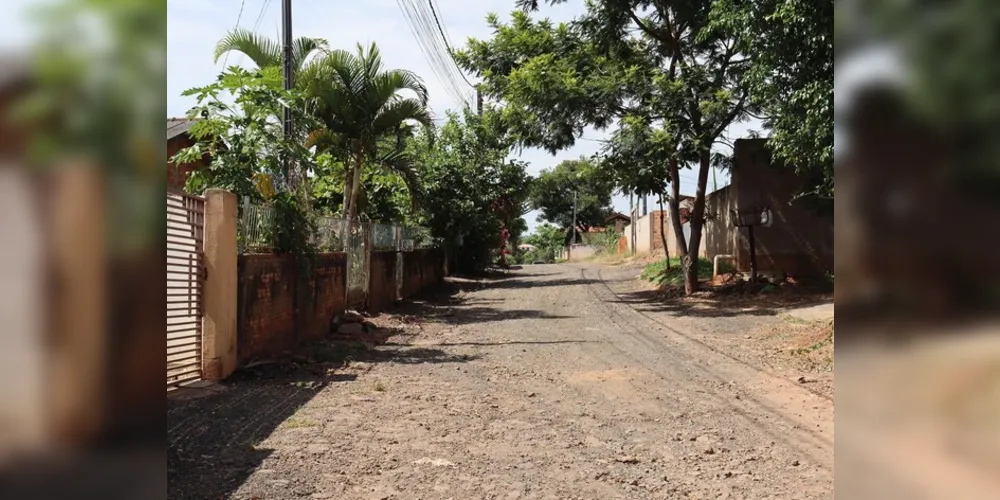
219, 300
399, 261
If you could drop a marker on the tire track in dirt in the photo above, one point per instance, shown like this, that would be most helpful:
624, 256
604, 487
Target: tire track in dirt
793, 432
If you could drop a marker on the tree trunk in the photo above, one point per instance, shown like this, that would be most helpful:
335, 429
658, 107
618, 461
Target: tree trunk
697, 222
355, 186
348, 182
663, 234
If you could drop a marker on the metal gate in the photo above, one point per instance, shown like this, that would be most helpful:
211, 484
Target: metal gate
356, 246
185, 278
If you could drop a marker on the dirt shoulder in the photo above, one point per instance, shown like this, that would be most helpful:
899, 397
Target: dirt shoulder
787, 333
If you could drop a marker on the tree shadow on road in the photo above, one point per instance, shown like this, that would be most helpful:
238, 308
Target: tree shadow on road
718, 306
213, 434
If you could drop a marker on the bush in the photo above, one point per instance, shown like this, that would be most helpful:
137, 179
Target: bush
657, 272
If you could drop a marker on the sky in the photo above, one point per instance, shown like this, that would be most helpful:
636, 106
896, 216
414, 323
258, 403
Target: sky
194, 27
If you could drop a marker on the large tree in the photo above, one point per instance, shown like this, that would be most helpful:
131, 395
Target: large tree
790, 77
360, 103
473, 190
664, 63
555, 190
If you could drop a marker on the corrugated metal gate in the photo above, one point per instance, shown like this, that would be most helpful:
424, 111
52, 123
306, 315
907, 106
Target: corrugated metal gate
185, 278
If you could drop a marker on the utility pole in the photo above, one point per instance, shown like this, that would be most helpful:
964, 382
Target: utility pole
286, 35
631, 223
573, 242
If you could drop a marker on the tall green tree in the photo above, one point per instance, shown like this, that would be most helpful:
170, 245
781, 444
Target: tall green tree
472, 189
664, 63
790, 78
359, 102
554, 191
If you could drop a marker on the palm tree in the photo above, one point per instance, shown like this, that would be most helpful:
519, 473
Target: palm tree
265, 52
359, 102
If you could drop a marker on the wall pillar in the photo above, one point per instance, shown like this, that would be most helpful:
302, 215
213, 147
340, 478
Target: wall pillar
220, 289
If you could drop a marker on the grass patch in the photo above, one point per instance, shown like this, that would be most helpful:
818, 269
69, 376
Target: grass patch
656, 272
379, 386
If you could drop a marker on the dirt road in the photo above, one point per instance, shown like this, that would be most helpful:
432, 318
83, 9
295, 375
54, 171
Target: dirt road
550, 384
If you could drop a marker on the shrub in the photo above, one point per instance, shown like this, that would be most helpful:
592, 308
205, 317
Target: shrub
658, 273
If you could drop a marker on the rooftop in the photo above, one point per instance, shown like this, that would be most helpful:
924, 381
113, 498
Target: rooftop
178, 126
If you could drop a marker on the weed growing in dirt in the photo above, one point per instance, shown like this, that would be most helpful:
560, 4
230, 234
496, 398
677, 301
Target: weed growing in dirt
657, 272
379, 386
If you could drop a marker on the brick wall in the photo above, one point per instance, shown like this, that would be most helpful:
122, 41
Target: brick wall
422, 268
798, 243
382, 281
278, 307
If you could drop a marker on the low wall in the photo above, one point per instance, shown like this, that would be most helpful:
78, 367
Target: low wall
382, 281
278, 306
422, 268
580, 252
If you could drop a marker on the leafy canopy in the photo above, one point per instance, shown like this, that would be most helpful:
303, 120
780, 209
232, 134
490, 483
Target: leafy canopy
553, 194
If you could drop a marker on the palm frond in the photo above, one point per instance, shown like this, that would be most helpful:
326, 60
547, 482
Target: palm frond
391, 83
303, 47
401, 164
399, 111
263, 51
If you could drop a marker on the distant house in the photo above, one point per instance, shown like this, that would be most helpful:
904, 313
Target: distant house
619, 220
178, 139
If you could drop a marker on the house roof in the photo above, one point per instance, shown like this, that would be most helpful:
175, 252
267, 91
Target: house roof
619, 215
178, 126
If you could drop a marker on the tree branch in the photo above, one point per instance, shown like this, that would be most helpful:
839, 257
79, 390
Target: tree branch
737, 109
649, 31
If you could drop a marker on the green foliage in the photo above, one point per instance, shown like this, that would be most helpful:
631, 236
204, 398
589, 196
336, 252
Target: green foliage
658, 273
293, 225
670, 77
265, 52
606, 241
243, 139
548, 240
553, 193
360, 103
790, 77
472, 189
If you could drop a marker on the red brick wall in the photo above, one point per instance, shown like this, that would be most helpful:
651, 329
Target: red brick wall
382, 281
278, 307
422, 268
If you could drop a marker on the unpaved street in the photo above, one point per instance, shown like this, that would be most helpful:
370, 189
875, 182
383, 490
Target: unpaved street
553, 383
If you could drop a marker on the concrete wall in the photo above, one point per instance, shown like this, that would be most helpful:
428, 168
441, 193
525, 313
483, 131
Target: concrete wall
278, 307
579, 252
648, 234
719, 237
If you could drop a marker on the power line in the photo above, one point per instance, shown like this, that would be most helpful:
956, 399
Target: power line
445, 38
422, 22
238, 17
260, 15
